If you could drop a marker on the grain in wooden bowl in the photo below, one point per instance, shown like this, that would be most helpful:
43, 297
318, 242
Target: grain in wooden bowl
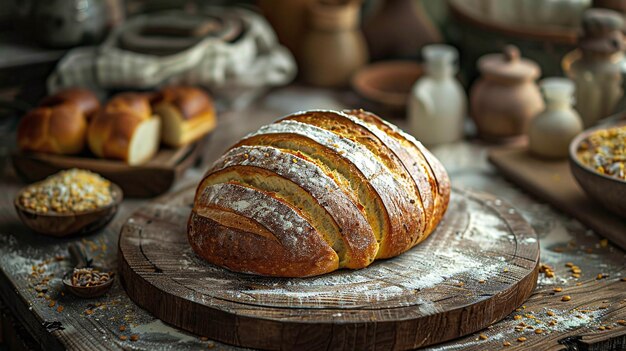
598, 161
88, 282
69, 202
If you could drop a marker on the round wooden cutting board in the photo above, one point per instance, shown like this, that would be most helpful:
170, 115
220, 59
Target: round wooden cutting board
479, 265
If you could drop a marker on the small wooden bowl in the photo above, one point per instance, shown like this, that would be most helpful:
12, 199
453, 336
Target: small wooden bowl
64, 224
607, 190
387, 83
88, 291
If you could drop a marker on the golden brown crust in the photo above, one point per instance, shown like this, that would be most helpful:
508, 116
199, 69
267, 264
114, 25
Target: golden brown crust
357, 235
59, 130
190, 101
112, 132
428, 164
134, 103
86, 101
359, 169
297, 251
415, 163
410, 213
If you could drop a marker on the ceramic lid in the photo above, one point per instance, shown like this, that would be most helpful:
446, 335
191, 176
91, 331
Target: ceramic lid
602, 32
509, 65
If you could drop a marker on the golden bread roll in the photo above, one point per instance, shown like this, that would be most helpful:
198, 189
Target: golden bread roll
125, 130
86, 101
57, 130
124, 136
315, 192
135, 103
187, 114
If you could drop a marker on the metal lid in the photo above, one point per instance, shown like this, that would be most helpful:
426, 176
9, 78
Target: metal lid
509, 65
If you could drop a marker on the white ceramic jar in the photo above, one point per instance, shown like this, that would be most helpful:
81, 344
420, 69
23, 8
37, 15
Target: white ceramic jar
553, 129
437, 104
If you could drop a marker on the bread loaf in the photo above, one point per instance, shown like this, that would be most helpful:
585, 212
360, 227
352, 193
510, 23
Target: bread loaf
186, 113
58, 130
86, 101
125, 129
59, 124
317, 191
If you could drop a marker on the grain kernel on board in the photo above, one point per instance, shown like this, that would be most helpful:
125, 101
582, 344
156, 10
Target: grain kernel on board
566, 298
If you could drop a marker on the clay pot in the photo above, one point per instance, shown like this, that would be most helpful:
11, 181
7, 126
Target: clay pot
399, 30
288, 18
506, 98
334, 47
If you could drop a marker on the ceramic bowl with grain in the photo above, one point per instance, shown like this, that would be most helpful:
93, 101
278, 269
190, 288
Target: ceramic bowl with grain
387, 83
73, 223
608, 191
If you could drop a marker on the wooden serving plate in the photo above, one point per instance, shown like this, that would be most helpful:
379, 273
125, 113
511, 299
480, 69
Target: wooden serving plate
479, 265
150, 179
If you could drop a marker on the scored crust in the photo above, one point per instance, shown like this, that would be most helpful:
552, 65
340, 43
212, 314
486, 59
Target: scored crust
356, 234
296, 251
397, 239
352, 128
429, 164
366, 190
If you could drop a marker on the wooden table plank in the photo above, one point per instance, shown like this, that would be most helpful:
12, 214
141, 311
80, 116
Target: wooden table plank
562, 240
553, 182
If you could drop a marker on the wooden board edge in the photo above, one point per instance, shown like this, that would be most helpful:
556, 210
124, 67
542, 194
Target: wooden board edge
241, 330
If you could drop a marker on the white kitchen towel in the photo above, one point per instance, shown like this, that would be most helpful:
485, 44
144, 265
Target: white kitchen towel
236, 70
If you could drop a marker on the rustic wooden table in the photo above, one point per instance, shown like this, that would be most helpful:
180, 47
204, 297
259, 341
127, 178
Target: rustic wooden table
593, 319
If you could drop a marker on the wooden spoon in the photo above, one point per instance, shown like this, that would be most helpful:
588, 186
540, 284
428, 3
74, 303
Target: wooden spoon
79, 256
64, 224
